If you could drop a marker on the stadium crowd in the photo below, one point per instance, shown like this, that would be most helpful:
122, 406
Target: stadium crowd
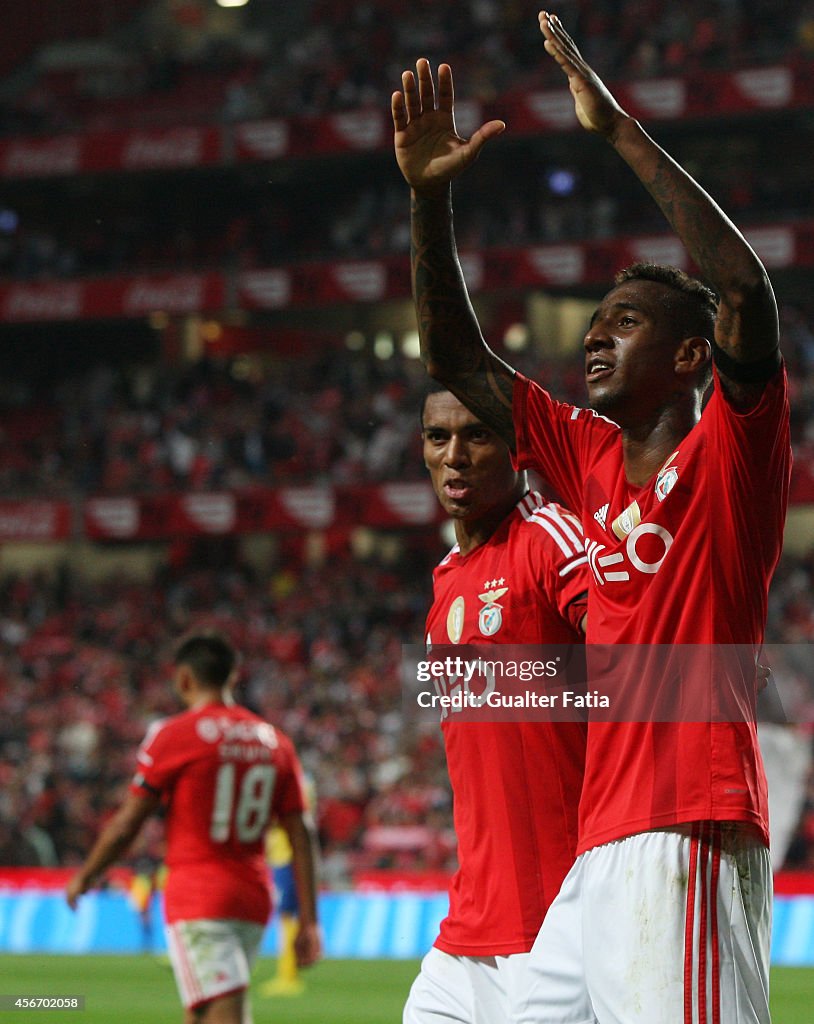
256, 218
83, 670
82, 661
326, 415
177, 61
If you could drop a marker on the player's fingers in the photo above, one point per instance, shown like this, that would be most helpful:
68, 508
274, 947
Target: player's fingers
552, 45
545, 26
446, 90
398, 111
426, 86
565, 43
308, 955
484, 133
412, 104
554, 49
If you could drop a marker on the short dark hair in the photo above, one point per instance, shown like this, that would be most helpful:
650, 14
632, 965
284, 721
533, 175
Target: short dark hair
210, 656
432, 387
696, 306
695, 309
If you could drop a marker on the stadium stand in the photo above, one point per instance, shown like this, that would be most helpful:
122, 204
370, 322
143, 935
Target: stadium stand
207, 387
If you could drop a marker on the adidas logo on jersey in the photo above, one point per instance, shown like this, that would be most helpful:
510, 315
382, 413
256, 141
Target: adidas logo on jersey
601, 515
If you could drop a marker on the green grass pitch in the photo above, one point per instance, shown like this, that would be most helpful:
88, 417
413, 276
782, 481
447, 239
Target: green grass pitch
140, 990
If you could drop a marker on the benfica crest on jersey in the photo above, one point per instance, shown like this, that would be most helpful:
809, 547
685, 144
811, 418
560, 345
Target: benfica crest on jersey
666, 479
665, 482
455, 620
490, 617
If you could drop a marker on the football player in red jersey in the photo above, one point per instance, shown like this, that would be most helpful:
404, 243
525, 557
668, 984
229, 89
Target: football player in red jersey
666, 914
516, 575
223, 774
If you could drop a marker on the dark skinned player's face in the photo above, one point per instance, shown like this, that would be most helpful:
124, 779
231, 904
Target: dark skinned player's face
630, 350
470, 466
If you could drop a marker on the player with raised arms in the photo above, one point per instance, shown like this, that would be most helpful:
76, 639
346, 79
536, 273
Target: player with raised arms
666, 914
223, 775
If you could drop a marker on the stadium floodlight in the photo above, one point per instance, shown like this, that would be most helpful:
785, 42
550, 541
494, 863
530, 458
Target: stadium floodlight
383, 347
516, 337
411, 345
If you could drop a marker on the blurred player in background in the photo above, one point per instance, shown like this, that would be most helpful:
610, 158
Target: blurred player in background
280, 855
516, 575
666, 914
223, 775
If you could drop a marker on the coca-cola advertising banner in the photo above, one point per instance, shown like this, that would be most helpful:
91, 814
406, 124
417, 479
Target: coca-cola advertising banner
113, 297
164, 149
35, 520
706, 94
369, 281
310, 507
155, 517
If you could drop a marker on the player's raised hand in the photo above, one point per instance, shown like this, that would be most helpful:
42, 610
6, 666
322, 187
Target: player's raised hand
429, 151
596, 108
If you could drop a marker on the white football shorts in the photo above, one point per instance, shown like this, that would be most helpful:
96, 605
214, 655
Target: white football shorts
671, 926
454, 989
212, 957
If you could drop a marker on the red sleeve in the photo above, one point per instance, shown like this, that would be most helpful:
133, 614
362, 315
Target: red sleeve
758, 440
557, 439
160, 759
289, 789
752, 480
563, 568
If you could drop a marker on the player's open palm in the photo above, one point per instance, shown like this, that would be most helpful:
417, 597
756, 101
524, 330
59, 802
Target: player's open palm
429, 151
596, 108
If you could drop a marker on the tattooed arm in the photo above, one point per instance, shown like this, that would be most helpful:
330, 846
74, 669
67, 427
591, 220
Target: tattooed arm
430, 153
747, 327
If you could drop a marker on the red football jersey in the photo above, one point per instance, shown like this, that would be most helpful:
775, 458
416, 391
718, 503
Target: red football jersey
686, 559
515, 784
224, 774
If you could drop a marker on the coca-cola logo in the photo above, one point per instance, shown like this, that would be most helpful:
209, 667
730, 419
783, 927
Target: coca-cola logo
172, 295
767, 87
559, 264
412, 503
114, 517
775, 246
362, 129
35, 159
666, 97
659, 249
267, 288
182, 148
555, 109
309, 506
33, 520
266, 139
365, 282
48, 302
212, 513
